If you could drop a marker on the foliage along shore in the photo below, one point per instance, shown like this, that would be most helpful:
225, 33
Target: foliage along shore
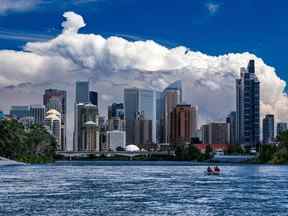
37, 145
33, 145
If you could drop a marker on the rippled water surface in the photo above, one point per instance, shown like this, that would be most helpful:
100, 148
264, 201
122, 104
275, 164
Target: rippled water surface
117, 188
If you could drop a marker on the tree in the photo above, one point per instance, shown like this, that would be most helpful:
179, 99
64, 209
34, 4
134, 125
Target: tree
192, 153
266, 153
208, 152
34, 145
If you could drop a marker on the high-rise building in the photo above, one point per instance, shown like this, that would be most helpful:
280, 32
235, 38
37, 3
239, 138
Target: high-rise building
281, 127
142, 131
86, 135
231, 121
268, 129
205, 133
57, 99
26, 121
115, 139
139, 102
248, 107
215, 133
171, 96
116, 123
82, 92
53, 123
37, 111
116, 110
181, 124
18, 112
2, 115
93, 96
103, 134
194, 120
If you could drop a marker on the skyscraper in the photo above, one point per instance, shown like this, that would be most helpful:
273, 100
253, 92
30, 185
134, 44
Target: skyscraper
231, 121
116, 110
194, 119
86, 137
172, 96
57, 99
82, 92
38, 113
281, 127
93, 97
268, 129
139, 102
181, 124
248, 107
142, 130
19, 111
215, 133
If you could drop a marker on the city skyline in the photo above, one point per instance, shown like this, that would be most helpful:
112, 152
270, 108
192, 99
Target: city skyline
208, 81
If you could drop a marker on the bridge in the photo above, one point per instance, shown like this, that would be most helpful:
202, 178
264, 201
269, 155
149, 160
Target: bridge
131, 155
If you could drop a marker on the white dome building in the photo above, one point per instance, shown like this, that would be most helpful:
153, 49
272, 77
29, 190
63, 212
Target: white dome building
53, 112
53, 124
132, 148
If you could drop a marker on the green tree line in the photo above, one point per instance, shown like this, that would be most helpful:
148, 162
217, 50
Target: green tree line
34, 145
275, 154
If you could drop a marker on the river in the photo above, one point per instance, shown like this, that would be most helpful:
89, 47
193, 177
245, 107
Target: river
142, 188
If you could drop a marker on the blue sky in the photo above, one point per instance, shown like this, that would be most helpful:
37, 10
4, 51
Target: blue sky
213, 27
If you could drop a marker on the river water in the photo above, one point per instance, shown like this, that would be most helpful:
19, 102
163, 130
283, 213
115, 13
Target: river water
142, 188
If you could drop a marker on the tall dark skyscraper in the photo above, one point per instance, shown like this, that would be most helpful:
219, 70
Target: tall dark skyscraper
268, 129
116, 110
93, 96
248, 107
281, 127
82, 92
231, 121
139, 102
57, 99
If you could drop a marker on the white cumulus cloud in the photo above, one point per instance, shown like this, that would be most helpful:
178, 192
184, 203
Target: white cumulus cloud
113, 63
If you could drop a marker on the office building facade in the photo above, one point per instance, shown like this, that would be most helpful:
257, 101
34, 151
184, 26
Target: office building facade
57, 99
93, 97
171, 97
18, 112
115, 139
268, 129
231, 121
53, 124
82, 92
38, 113
86, 136
215, 133
248, 107
281, 127
139, 102
181, 124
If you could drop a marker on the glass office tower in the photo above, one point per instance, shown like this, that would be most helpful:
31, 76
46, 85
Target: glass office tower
248, 107
139, 102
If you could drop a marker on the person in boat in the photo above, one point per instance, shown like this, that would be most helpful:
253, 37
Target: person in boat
216, 169
209, 170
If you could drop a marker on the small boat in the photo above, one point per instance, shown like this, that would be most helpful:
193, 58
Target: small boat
213, 172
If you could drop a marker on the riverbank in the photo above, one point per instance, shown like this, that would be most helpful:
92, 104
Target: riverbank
7, 162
